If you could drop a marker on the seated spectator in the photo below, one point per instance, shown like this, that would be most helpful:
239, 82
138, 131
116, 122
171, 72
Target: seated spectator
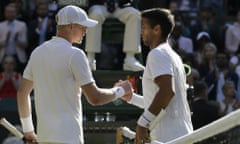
126, 13
232, 38
216, 78
178, 41
41, 28
207, 22
9, 78
13, 37
204, 111
207, 59
173, 6
193, 76
229, 103
201, 39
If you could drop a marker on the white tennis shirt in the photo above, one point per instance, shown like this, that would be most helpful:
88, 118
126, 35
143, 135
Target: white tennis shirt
177, 121
57, 70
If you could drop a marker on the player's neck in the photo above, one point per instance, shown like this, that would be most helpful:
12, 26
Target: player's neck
64, 35
156, 43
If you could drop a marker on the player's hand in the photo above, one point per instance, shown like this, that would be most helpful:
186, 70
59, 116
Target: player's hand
127, 87
142, 135
30, 138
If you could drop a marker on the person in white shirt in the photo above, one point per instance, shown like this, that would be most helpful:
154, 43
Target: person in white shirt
59, 73
232, 38
13, 37
164, 84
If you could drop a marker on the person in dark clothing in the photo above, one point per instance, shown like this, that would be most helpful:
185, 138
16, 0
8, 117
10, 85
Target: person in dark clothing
204, 111
41, 28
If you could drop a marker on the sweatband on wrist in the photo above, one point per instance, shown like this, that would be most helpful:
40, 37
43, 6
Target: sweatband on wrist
118, 92
146, 118
27, 124
157, 120
137, 100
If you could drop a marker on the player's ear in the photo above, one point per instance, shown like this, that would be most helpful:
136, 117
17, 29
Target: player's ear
157, 28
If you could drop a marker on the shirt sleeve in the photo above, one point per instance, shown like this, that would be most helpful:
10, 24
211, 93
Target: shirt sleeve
80, 68
159, 63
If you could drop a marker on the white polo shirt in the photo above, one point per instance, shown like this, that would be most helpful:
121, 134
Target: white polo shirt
57, 70
177, 121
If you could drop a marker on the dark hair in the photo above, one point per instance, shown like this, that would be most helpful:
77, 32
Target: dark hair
162, 17
199, 87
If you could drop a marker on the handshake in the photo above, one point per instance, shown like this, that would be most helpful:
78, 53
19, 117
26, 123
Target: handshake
123, 90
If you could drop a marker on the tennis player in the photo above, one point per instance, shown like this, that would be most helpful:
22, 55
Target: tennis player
164, 84
59, 73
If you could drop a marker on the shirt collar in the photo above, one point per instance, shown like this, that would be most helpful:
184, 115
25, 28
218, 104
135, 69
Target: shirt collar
56, 38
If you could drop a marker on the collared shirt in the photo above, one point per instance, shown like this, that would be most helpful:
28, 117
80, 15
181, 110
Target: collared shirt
58, 70
177, 121
10, 48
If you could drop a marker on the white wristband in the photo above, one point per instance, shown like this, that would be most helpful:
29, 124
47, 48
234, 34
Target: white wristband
118, 91
137, 100
146, 118
27, 124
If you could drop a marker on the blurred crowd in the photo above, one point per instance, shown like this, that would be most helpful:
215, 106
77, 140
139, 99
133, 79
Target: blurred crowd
206, 35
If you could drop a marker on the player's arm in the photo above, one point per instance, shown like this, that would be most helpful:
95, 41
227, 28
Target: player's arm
155, 112
100, 96
153, 115
134, 99
23, 98
164, 94
24, 109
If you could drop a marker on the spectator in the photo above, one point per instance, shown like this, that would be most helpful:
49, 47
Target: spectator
2, 6
232, 38
173, 6
229, 103
193, 77
13, 38
217, 6
41, 28
127, 14
9, 78
178, 41
216, 78
201, 39
207, 62
204, 111
206, 22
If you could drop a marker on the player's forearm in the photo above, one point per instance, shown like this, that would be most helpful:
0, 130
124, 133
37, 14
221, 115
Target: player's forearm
105, 96
100, 96
137, 100
23, 97
161, 101
24, 108
24, 105
154, 114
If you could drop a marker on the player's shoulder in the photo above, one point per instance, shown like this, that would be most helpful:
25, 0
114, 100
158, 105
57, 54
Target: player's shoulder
78, 51
160, 51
